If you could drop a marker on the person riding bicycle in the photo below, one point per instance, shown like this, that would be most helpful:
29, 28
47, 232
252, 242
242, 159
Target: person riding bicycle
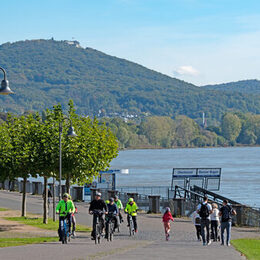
131, 209
120, 207
97, 205
73, 219
112, 213
65, 208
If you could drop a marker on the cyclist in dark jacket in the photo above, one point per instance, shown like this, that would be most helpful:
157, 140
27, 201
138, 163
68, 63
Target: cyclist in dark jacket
97, 204
113, 210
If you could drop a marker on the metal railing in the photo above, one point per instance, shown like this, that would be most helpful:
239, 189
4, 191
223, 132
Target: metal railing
162, 191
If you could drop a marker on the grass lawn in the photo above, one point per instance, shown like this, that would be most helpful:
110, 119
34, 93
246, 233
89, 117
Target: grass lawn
5, 242
37, 222
3, 209
249, 247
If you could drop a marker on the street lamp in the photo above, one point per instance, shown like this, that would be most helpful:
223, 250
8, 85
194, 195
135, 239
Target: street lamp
5, 90
71, 133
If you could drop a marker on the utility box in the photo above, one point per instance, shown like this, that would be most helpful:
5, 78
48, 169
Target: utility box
112, 193
93, 193
154, 204
133, 195
179, 207
77, 193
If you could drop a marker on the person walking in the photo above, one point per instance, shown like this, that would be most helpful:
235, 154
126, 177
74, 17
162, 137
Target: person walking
196, 220
214, 217
167, 217
226, 212
204, 209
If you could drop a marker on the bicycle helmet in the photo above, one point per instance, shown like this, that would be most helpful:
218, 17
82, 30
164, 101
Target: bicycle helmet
111, 199
131, 200
98, 194
66, 195
116, 197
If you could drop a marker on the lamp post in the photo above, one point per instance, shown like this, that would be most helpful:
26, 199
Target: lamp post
71, 133
5, 90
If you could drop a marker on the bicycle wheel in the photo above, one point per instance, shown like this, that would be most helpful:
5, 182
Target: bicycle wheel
111, 235
109, 231
96, 234
133, 231
62, 232
130, 229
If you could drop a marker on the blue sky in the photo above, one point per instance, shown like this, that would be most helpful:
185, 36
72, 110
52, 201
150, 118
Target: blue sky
199, 41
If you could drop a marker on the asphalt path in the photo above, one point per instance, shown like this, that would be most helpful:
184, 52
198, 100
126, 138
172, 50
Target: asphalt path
149, 243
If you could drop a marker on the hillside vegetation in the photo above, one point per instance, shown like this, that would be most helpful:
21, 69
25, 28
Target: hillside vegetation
45, 72
164, 132
243, 86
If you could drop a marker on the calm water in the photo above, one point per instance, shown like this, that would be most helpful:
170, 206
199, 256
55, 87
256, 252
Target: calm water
240, 179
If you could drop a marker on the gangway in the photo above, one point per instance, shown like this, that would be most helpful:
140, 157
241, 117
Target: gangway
213, 195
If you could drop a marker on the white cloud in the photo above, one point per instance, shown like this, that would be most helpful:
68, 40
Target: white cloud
186, 71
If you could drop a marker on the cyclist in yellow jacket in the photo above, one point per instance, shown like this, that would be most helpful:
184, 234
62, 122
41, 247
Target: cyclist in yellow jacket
131, 209
65, 208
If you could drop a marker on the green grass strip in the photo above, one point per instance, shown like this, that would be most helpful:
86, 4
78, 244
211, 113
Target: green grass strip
3, 209
6, 242
38, 222
249, 247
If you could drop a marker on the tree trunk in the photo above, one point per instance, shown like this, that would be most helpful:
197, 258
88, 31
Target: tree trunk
68, 184
45, 200
24, 197
54, 199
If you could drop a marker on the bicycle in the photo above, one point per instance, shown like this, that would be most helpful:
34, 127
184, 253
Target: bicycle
110, 222
98, 226
131, 225
64, 230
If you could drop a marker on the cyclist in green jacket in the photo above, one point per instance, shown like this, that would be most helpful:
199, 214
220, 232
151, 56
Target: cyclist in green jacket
120, 207
65, 208
131, 209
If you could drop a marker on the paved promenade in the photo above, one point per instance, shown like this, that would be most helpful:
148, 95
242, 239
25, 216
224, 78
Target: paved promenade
149, 243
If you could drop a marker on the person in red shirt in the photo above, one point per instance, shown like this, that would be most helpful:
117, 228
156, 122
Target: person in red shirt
167, 217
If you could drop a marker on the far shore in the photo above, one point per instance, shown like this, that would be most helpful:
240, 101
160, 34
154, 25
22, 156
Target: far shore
183, 147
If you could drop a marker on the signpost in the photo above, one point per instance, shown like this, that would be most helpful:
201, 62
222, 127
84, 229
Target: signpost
207, 178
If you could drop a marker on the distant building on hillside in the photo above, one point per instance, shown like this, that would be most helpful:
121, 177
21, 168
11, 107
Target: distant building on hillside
75, 43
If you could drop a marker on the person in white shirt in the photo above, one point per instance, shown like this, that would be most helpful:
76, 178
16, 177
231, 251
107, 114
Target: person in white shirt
214, 216
196, 221
204, 209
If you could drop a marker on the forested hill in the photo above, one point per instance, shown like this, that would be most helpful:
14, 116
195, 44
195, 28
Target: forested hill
242, 86
45, 72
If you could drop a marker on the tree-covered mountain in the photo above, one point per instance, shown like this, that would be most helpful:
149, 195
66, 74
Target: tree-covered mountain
243, 86
45, 72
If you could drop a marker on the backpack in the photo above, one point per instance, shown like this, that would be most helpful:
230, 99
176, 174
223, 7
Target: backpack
204, 211
226, 213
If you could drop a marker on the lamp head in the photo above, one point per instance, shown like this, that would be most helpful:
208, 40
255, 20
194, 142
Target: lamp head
71, 132
5, 90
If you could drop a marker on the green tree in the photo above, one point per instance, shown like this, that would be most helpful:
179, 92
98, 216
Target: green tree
158, 130
230, 126
186, 130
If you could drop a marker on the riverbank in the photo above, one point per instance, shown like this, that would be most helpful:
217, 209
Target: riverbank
185, 147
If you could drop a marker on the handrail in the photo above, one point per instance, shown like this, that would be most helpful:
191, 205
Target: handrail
213, 194
189, 192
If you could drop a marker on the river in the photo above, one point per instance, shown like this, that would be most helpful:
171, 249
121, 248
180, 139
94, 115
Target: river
240, 178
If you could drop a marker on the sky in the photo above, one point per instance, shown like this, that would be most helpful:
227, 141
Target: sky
199, 41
